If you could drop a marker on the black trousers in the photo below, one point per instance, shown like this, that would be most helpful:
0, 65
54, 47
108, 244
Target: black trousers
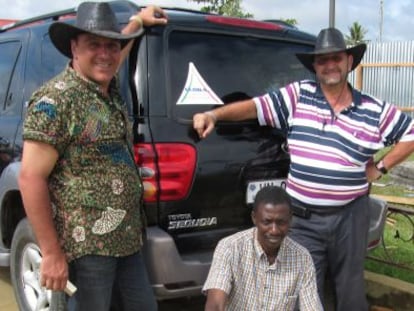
337, 241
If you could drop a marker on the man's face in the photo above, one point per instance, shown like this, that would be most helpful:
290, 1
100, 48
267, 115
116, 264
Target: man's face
272, 222
96, 58
332, 69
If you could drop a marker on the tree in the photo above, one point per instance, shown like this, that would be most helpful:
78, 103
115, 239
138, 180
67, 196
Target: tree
356, 34
224, 7
291, 21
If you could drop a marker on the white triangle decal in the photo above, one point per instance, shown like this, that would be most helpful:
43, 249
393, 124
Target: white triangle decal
196, 91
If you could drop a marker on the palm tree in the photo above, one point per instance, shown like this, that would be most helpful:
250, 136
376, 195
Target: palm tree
356, 34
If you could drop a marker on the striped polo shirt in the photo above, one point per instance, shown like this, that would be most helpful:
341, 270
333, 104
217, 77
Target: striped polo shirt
329, 151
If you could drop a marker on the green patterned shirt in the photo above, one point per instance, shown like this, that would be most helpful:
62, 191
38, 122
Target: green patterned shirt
95, 186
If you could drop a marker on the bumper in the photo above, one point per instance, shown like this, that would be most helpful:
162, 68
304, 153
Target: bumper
171, 274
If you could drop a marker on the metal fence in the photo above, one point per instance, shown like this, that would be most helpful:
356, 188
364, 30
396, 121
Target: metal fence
387, 72
400, 228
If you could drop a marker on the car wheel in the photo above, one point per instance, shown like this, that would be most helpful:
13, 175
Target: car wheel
25, 273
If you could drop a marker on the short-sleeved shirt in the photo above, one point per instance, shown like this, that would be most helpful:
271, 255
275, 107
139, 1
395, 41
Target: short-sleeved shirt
95, 186
329, 151
240, 268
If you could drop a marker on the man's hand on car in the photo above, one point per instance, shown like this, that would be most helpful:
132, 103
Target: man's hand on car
204, 123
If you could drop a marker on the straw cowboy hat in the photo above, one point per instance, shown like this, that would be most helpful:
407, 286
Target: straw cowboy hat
331, 40
92, 17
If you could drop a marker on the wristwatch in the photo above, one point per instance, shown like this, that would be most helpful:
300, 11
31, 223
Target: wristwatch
381, 167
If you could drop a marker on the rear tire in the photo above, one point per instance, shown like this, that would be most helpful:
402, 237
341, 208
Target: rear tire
25, 273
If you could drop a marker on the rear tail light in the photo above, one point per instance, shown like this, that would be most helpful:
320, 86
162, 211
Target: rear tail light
167, 170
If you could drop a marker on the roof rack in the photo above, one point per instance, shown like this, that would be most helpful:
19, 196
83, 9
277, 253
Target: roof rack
187, 10
50, 16
117, 6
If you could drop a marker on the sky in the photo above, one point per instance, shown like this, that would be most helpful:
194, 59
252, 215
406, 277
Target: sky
396, 23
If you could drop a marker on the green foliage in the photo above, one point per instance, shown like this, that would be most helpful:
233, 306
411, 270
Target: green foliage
397, 229
290, 21
356, 34
224, 7
398, 249
385, 186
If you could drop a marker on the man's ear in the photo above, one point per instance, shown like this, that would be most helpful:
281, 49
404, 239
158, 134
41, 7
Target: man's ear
350, 62
73, 47
253, 215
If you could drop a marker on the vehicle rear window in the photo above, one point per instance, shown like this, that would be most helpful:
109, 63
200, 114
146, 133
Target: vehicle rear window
234, 67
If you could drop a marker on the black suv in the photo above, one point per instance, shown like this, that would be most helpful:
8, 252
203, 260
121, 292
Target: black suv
196, 192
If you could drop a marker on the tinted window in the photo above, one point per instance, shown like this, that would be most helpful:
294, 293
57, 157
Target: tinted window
53, 62
9, 53
234, 67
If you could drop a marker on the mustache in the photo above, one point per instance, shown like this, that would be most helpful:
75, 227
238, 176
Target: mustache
334, 70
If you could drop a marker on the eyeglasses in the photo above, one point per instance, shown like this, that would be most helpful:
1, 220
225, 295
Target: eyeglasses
323, 60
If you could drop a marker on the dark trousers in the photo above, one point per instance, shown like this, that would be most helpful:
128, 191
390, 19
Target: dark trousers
97, 276
337, 241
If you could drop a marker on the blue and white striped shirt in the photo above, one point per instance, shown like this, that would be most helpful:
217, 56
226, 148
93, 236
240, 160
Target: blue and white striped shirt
329, 151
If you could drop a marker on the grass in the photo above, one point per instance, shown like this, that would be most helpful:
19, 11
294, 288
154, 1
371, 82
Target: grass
398, 234
398, 249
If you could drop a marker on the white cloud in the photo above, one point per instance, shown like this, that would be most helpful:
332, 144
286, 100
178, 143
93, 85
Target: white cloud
312, 15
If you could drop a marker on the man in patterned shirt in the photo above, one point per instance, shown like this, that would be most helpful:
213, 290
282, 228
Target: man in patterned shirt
261, 268
333, 131
80, 186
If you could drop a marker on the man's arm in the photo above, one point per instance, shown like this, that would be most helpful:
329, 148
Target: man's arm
204, 123
38, 162
147, 16
220, 278
308, 293
216, 300
395, 156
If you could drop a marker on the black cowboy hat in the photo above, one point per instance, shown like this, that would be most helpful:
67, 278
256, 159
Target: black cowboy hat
92, 17
331, 40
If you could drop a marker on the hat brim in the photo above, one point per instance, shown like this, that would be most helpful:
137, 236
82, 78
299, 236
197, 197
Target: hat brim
356, 51
62, 33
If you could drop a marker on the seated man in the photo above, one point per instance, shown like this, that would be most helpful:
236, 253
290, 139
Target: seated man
261, 268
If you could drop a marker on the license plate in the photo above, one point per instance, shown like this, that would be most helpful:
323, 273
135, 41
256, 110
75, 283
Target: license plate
254, 186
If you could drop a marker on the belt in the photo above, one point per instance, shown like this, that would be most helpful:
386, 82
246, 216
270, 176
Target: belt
327, 210
304, 210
